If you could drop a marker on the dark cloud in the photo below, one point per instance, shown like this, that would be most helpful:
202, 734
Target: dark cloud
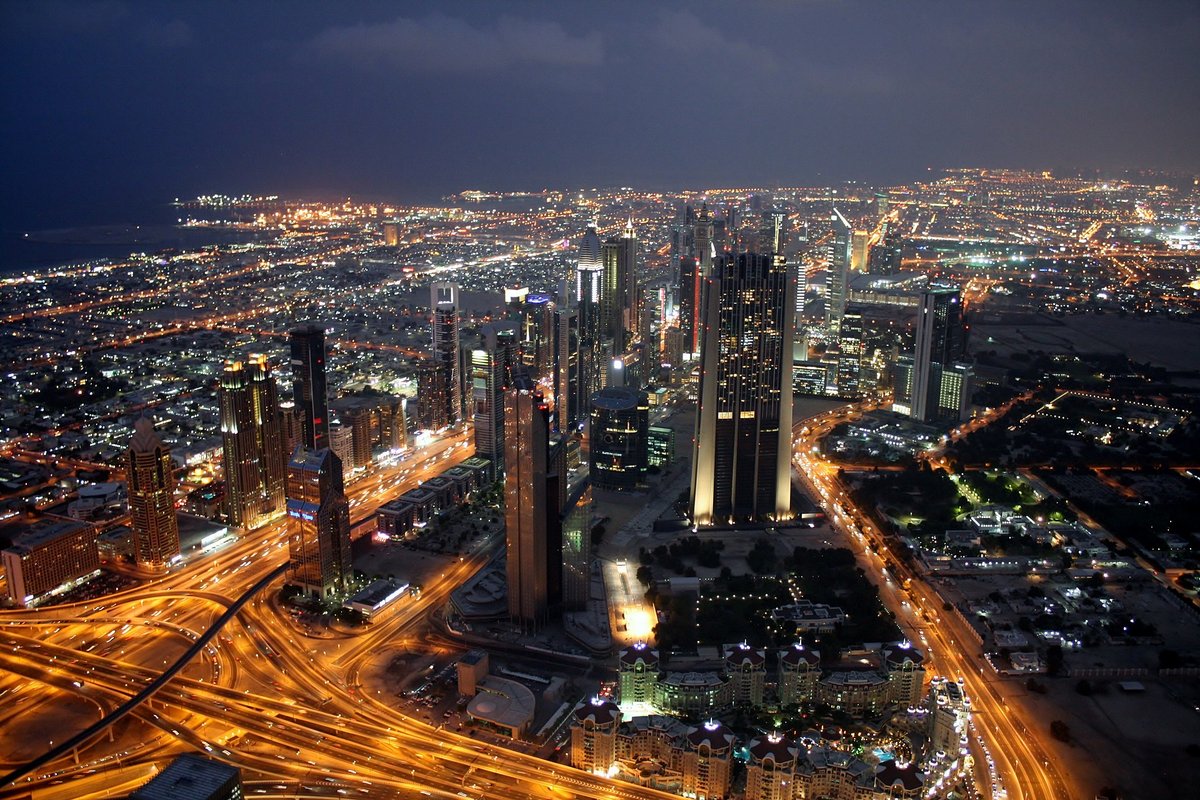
439, 43
106, 107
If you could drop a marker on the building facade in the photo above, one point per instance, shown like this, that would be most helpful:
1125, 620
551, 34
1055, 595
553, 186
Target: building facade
742, 450
151, 477
309, 391
318, 525
252, 442
619, 438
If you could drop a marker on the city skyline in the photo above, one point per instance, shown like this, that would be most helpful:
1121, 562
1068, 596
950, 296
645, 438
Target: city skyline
1035, 86
771, 400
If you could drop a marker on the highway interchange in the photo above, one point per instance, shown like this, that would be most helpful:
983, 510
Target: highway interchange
292, 710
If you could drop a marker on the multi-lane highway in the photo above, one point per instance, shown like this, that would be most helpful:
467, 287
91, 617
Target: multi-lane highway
1015, 751
290, 710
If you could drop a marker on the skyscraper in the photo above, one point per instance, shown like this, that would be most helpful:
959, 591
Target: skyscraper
589, 267
885, 256
703, 239
858, 251
491, 371
443, 304
617, 456
618, 295
742, 450
940, 381
526, 502
850, 354
151, 497
252, 437
309, 391
689, 303
839, 268
537, 334
318, 524
577, 548
568, 368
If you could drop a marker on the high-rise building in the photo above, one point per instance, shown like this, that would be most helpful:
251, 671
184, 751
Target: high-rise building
569, 363
850, 355
689, 303
391, 233
703, 238
940, 382
151, 497
309, 390
318, 524
341, 442
444, 318
433, 396
252, 437
839, 269
537, 334
885, 256
619, 313
526, 505
491, 371
576, 521
47, 555
741, 464
291, 426
589, 267
773, 767
619, 437
858, 251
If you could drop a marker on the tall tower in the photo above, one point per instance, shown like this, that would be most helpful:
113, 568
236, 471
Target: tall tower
152, 497
491, 371
850, 354
703, 238
443, 303
308, 384
619, 305
939, 379
839, 269
741, 464
591, 329
568, 366
318, 524
689, 303
252, 437
526, 502
619, 430
537, 334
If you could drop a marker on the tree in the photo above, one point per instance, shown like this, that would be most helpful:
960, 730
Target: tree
644, 575
1054, 659
1060, 730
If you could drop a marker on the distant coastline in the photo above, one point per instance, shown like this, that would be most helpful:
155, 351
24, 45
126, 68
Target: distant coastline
26, 251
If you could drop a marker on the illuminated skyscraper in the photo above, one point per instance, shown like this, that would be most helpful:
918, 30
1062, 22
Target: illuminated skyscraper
839, 268
526, 505
444, 317
151, 497
491, 371
885, 256
742, 451
537, 334
618, 295
619, 435
569, 364
858, 251
850, 355
309, 391
318, 524
592, 354
252, 436
577, 548
689, 303
703, 239
940, 381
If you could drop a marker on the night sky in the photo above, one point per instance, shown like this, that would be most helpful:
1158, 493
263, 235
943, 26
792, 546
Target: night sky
111, 108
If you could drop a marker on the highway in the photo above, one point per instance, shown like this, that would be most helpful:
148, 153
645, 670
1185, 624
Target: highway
1014, 746
290, 710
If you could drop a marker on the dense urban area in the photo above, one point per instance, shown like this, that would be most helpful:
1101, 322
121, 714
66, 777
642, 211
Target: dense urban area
776, 493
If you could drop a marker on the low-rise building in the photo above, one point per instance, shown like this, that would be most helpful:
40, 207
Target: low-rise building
48, 555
